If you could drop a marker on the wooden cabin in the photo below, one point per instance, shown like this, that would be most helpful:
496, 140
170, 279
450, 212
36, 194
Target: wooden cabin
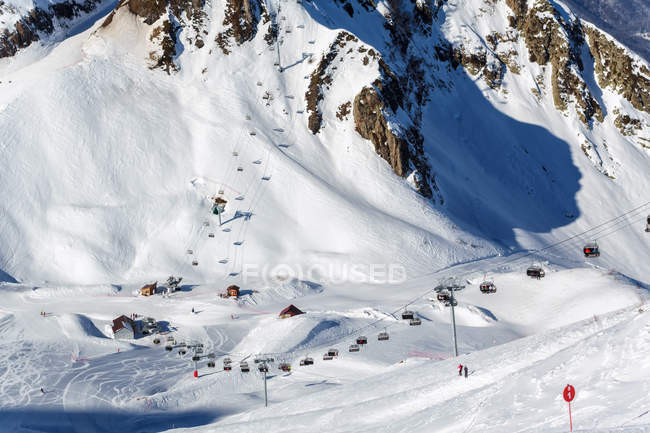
123, 327
149, 289
290, 311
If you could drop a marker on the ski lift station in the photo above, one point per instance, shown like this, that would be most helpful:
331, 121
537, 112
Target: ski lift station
149, 289
123, 328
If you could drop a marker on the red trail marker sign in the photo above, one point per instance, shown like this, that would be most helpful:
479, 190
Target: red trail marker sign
568, 394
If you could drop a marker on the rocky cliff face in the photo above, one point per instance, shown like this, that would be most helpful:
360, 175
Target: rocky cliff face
31, 25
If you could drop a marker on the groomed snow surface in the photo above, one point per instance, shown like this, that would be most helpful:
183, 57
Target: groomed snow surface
523, 344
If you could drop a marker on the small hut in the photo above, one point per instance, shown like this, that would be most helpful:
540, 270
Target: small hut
233, 291
290, 311
123, 327
149, 289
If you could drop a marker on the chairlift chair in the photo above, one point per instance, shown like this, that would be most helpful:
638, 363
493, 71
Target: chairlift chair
263, 368
487, 287
211, 364
156, 341
415, 322
235, 153
362, 340
253, 133
333, 352
307, 361
284, 366
211, 356
591, 250
195, 262
169, 348
243, 366
190, 252
196, 358
354, 348
206, 223
227, 364
210, 235
647, 225
240, 168
327, 357
443, 297
407, 315
220, 192
535, 271
383, 336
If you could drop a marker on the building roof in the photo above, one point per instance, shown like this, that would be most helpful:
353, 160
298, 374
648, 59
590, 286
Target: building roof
150, 286
123, 322
291, 310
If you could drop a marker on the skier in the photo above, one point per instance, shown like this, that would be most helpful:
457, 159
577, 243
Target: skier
460, 369
42, 392
465, 368
192, 309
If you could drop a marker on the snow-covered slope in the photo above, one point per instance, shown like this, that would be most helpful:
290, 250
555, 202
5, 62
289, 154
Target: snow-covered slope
366, 150
115, 182
522, 345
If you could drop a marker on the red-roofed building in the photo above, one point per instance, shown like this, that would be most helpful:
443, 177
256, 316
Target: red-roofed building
290, 311
123, 327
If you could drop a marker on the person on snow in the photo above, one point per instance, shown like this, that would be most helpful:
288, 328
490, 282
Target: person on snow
42, 392
460, 369
465, 368
192, 309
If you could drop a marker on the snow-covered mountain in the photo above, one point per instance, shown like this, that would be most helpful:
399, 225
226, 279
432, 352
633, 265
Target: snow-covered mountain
350, 138
516, 123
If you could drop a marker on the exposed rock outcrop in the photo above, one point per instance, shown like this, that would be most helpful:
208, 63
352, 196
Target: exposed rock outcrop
551, 39
241, 22
617, 70
321, 78
371, 124
40, 22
